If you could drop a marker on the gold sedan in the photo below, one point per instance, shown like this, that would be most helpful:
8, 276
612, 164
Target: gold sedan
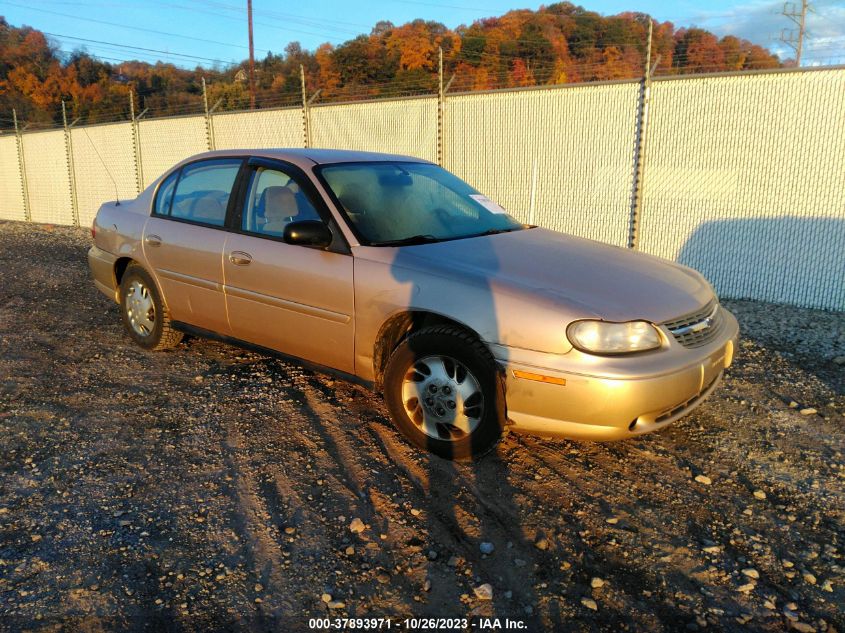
394, 272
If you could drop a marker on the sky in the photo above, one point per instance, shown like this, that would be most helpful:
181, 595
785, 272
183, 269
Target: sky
213, 32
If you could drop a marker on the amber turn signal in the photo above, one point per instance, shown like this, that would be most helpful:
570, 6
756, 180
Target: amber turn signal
527, 375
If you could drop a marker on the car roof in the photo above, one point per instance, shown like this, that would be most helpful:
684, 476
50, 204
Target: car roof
306, 157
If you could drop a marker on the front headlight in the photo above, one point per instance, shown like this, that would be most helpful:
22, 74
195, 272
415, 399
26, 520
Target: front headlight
601, 337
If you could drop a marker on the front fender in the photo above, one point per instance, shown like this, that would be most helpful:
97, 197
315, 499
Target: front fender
498, 314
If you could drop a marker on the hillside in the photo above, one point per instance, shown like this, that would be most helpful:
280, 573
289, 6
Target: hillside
560, 43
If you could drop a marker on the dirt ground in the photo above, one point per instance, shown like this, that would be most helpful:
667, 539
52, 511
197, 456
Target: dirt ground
209, 488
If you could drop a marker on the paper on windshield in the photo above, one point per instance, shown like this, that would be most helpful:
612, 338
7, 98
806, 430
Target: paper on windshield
487, 203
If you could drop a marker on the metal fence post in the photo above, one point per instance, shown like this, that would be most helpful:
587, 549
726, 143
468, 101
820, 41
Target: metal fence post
71, 170
136, 144
209, 123
440, 100
442, 91
639, 148
27, 211
306, 127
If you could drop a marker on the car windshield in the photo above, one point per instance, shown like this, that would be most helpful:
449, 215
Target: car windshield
393, 203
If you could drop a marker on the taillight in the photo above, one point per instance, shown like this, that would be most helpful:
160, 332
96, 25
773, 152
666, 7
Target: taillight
94, 231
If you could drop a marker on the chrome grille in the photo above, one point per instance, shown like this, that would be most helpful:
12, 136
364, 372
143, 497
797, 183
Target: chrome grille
698, 328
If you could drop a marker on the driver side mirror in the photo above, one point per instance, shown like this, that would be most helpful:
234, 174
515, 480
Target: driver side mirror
312, 233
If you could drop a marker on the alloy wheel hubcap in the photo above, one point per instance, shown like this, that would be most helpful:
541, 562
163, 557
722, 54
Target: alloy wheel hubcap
442, 397
140, 308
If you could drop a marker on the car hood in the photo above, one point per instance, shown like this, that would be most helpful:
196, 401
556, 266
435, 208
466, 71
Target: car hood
596, 279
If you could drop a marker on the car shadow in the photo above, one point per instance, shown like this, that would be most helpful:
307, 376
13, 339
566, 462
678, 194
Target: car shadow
778, 260
788, 260
472, 503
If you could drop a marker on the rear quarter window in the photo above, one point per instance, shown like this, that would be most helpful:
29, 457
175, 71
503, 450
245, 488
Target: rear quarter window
164, 197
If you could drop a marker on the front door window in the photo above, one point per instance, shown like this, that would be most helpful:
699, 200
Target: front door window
274, 201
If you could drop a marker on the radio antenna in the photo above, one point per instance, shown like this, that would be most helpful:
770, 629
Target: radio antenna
94, 147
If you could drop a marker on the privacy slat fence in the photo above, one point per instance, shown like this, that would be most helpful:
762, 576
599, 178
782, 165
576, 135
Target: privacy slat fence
745, 181
559, 158
103, 168
403, 127
47, 177
11, 187
164, 142
742, 176
264, 128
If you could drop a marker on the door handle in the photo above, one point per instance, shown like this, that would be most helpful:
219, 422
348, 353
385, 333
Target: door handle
239, 258
152, 240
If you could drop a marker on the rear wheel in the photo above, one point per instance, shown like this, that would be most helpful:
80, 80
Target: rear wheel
443, 392
144, 315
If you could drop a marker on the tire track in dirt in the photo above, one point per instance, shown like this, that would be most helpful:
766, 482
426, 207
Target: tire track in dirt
457, 521
260, 546
373, 489
336, 464
459, 524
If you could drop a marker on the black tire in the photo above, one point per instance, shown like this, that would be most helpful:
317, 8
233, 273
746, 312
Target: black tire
161, 335
453, 343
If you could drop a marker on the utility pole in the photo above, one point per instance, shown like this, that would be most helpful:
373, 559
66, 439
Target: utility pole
251, 57
788, 36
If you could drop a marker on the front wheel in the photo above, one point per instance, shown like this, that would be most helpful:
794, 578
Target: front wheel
443, 391
144, 315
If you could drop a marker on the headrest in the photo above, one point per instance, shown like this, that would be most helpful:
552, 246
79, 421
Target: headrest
279, 202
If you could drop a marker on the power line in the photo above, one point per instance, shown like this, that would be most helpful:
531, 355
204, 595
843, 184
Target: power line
331, 37
119, 60
289, 17
441, 6
139, 48
86, 48
200, 9
134, 28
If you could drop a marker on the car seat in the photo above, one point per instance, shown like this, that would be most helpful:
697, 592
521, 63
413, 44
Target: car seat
280, 209
208, 208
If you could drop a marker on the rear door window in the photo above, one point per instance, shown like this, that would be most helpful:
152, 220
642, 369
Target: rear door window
203, 191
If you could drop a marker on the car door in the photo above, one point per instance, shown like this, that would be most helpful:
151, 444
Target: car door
291, 298
184, 239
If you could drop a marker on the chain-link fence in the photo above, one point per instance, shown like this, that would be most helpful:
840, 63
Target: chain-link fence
740, 176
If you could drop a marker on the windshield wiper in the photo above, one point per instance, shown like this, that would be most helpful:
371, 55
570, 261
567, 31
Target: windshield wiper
428, 239
410, 241
494, 232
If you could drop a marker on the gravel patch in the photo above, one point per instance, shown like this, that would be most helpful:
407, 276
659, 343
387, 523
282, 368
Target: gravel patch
210, 488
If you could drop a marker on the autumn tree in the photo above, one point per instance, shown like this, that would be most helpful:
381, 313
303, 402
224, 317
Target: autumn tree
558, 43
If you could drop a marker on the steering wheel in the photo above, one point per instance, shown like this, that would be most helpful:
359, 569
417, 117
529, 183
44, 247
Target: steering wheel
443, 215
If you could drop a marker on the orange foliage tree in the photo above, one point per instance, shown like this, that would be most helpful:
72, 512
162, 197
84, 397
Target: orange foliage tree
556, 44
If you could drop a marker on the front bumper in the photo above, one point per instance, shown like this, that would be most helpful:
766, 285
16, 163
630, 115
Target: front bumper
634, 395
